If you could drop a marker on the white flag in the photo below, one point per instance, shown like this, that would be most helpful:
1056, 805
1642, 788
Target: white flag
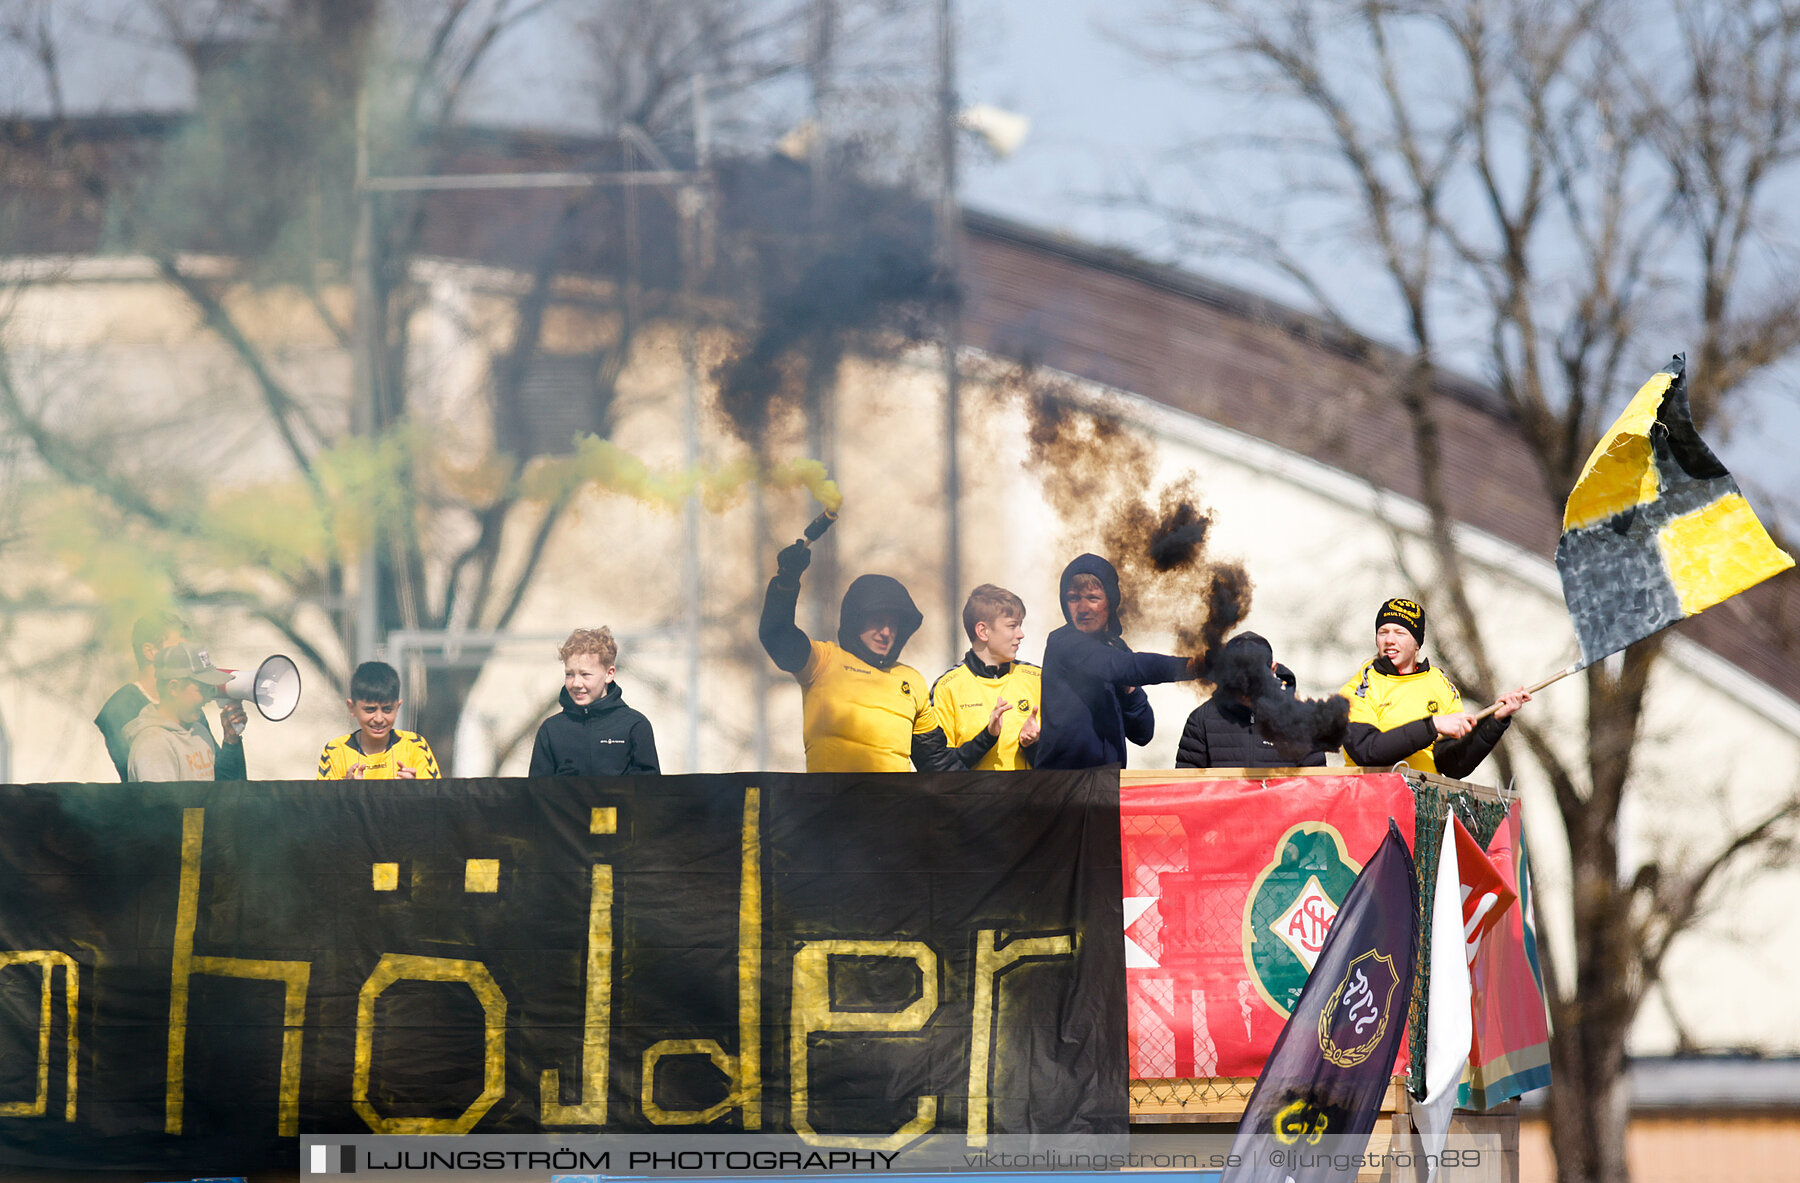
1449, 1019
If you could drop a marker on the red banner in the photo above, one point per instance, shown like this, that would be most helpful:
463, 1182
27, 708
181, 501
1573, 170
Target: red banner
1230, 887
1511, 1054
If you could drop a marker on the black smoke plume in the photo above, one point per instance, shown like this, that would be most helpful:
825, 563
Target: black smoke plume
883, 283
1296, 726
1094, 470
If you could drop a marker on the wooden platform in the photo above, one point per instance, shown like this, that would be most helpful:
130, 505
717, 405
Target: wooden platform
1219, 1098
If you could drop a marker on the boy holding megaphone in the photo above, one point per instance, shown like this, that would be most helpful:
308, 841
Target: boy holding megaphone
149, 636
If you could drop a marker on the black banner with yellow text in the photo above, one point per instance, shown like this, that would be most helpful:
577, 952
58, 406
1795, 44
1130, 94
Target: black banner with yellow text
191, 976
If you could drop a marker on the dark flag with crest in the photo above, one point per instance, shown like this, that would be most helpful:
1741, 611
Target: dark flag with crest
1331, 1064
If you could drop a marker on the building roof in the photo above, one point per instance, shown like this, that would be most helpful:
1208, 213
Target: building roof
1259, 367
1729, 1082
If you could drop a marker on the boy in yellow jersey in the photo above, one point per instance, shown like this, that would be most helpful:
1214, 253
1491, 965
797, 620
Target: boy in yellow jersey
862, 710
1403, 709
990, 699
376, 750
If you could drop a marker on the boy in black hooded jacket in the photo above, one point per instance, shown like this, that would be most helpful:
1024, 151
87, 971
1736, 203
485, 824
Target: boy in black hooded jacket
1093, 683
862, 710
596, 734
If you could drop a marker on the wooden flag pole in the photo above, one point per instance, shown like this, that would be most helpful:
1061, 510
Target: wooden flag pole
1558, 676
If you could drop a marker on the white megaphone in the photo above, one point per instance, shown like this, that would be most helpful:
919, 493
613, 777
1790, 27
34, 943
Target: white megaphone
274, 686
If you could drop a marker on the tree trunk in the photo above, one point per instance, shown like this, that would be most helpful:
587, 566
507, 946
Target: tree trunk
1589, 1096
446, 692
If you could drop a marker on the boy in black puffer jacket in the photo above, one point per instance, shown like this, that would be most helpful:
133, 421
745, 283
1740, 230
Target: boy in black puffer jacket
1253, 719
596, 734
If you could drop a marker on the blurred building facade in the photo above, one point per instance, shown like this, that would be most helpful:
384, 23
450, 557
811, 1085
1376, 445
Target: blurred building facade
1283, 426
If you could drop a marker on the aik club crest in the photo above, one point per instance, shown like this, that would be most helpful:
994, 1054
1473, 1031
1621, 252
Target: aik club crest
1290, 909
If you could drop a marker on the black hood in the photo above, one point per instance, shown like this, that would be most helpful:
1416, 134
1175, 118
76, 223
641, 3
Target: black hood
1102, 570
1241, 666
612, 699
869, 594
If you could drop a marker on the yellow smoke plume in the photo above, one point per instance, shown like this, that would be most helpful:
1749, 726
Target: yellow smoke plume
811, 476
603, 464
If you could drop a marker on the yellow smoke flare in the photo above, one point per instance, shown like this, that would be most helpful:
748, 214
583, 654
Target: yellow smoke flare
602, 463
362, 490
811, 476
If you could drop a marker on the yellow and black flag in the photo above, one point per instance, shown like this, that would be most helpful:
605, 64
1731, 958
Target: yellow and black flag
1656, 530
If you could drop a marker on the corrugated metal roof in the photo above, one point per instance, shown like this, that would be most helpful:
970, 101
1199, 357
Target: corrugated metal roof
1664, 1084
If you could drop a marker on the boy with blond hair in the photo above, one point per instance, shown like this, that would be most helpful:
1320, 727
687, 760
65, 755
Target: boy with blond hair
990, 699
596, 734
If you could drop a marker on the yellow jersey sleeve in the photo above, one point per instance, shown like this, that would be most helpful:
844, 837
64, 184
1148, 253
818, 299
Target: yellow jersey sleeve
416, 755
1363, 692
943, 705
332, 762
817, 658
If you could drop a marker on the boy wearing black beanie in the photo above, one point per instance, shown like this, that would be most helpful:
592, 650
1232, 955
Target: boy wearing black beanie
1403, 710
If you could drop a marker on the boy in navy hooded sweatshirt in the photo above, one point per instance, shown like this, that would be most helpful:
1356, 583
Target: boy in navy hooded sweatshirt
1093, 683
596, 734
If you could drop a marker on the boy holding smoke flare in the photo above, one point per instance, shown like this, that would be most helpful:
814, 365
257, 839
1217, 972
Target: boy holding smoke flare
1254, 719
863, 711
991, 697
377, 750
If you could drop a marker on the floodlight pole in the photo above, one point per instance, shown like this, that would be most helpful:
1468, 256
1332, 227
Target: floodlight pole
365, 337
949, 228
821, 392
691, 202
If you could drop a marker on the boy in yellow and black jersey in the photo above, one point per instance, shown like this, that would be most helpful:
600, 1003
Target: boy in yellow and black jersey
861, 709
377, 750
990, 699
1404, 710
